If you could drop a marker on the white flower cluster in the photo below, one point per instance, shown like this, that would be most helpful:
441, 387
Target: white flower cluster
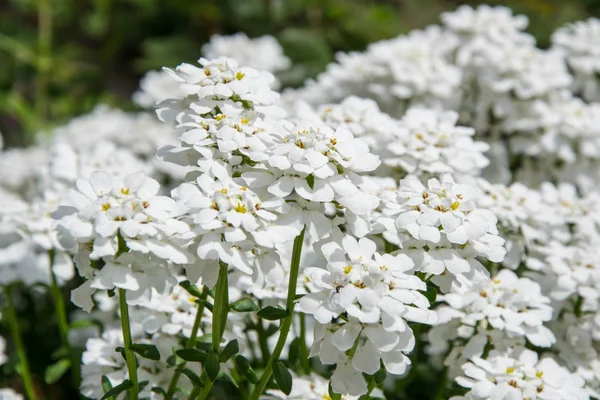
377, 298
519, 374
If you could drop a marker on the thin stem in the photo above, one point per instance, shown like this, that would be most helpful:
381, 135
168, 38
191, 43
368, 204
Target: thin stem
195, 392
219, 319
190, 344
262, 341
129, 355
303, 348
25, 372
286, 323
63, 322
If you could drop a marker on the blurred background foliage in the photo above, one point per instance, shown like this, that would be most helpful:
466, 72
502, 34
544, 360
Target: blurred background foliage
59, 58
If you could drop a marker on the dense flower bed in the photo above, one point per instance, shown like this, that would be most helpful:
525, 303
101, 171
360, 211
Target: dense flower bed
438, 191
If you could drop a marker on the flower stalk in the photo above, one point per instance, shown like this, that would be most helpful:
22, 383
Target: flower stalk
286, 323
15, 329
62, 321
219, 320
190, 344
127, 340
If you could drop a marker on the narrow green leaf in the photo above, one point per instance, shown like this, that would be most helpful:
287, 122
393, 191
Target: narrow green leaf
193, 355
310, 179
244, 305
159, 390
84, 323
206, 304
283, 378
55, 371
272, 313
59, 353
191, 288
294, 352
380, 376
148, 351
123, 386
172, 360
212, 366
243, 365
106, 385
230, 350
192, 376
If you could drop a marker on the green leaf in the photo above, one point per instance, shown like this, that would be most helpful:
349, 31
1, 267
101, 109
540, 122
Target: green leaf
125, 385
84, 323
192, 376
159, 390
193, 355
243, 365
148, 351
310, 179
230, 350
212, 366
172, 360
205, 303
55, 371
294, 352
106, 385
191, 288
282, 377
59, 353
244, 305
380, 376
272, 313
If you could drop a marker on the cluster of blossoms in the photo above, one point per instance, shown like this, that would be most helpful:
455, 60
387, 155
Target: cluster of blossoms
431, 202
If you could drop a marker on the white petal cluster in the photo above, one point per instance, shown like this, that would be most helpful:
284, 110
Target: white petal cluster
580, 43
263, 53
511, 305
429, 143
407, 70
442, 230
377, 296
519, 374
100, 359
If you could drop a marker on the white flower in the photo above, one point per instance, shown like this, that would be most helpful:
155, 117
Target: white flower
429, 143
263, 53
105, 206
100, 359
519, 374
320, 165
579, 43
443, 230
377, 297
238, 225
507, 303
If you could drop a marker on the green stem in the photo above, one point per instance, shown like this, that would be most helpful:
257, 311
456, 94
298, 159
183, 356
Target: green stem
129, 355
62, 320
195, 392
219, 320
262, 340
25, 372
304, 361
190, 344
286, 323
